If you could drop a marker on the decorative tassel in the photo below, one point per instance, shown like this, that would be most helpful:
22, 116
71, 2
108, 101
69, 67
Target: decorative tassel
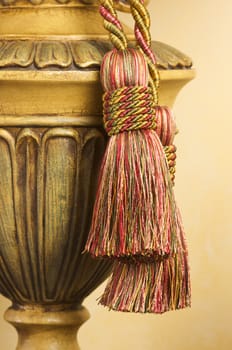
153, 286
135, 212
166, 130
149, 287
135, 218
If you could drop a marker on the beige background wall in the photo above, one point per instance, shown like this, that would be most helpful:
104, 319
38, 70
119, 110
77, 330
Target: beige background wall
202, 29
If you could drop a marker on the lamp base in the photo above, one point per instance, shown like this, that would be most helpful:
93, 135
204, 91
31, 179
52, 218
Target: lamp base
47, 327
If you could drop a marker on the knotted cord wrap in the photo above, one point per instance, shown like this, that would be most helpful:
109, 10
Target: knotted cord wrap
135, 219
127, 109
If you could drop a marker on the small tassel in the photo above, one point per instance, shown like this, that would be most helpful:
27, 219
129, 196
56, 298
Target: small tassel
135, 212
166, 130
163, 284
149, 287
165, 125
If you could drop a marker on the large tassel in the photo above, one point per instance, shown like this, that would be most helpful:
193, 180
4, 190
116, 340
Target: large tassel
163, 284
135, 212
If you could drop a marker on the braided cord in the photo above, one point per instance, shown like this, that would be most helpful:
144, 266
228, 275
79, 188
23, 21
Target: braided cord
113, 25
143, 37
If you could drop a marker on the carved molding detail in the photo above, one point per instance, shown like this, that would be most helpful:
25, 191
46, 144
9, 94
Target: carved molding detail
47, 187
39, 2
76, 54
122, 5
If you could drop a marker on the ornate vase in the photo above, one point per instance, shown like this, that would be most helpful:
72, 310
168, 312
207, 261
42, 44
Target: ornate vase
51, 145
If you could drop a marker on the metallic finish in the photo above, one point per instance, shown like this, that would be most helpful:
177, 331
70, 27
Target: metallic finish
75, 54
47, 190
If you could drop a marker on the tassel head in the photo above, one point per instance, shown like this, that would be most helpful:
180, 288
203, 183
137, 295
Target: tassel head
123, 68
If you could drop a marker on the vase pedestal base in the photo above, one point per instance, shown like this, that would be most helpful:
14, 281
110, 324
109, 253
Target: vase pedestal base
47, 328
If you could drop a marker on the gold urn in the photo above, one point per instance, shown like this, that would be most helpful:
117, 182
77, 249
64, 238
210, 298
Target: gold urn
51, 145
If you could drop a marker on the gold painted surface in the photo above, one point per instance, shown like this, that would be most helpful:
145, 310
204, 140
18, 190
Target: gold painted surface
47, 328
14, 53
48, 2
47, 187
18, 3
83, 54
81, 22
34, 21
120, 4
169, 57
87, 53
51, 120
67, 93
52, 54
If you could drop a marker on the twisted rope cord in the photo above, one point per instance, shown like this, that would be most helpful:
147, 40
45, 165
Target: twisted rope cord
142, 26
129, 108
142, 33
143, 37
113, 25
